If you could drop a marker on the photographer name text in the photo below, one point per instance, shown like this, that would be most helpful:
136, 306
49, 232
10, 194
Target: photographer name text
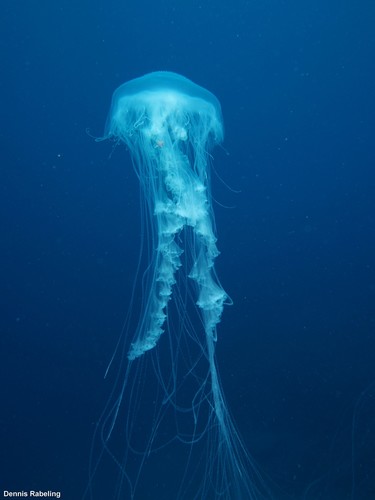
31, 494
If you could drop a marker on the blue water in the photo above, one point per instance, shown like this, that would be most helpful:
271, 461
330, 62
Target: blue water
294, 190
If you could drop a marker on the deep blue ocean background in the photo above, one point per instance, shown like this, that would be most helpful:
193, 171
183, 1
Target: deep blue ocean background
296, 228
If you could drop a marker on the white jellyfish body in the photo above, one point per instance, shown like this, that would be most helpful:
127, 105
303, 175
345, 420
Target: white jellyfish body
169, 125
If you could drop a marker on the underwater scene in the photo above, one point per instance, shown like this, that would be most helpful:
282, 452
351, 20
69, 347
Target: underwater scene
188, 250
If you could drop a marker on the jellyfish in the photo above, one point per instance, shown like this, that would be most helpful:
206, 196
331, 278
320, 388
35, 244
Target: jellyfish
166, 431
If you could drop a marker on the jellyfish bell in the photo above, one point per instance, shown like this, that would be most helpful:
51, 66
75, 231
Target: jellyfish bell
167, 372
163, 103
